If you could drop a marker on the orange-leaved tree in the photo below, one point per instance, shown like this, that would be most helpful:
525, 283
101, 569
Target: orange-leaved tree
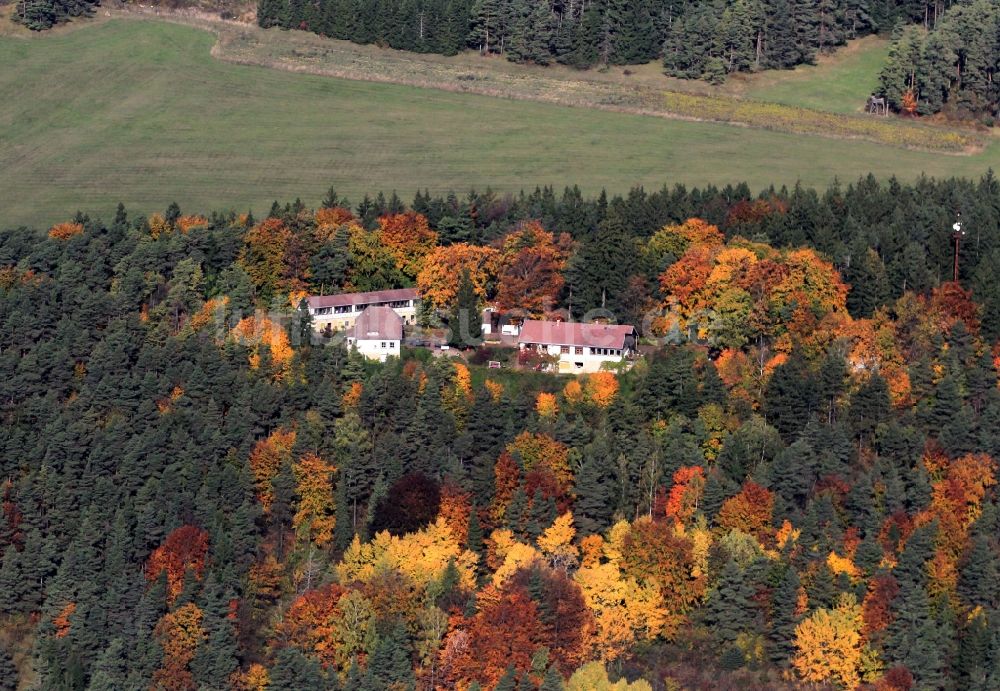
266, 459
439, 278
530, 269
182, 552
408, 239
179, 634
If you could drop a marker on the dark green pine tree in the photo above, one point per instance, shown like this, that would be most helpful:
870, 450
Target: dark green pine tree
270, 13
389, 664
215, 661
508, 682
979, 576
586, 41
110, 670
8, 672
532, 34
552, 681
790, 397
293, 671
727, 611
784, 602
465, 320
592, 509
972, 663
475, 531
781, 49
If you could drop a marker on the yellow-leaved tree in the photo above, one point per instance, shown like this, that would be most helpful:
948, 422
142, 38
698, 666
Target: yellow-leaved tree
556, 542
829, 646
422, 556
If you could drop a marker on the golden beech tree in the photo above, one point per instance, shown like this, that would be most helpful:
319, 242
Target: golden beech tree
439, 278
600, 388
314, 482
556, 542
311, 622
507, 556
542, 452
422, 557
546, 405
655, 555
266, 459
625, 611
258, 332
332, 217
183, 552
179, 633
64, 231
455, 510
676, 239
829, 646
263, 255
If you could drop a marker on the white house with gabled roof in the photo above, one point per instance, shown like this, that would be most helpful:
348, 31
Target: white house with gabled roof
580, 348
377, 333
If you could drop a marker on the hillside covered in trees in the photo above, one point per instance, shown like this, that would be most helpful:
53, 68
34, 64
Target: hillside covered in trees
796, 485
952, 67
695, 39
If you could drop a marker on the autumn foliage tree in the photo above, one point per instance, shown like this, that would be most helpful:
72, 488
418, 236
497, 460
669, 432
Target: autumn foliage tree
530, 270
179, 633
408, 239
183, 552
314, 517
829, 645
266, 459
438, 279
749, 511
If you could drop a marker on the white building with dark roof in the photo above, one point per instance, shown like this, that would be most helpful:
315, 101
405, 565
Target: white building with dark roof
377, 333
580, 348
342, 311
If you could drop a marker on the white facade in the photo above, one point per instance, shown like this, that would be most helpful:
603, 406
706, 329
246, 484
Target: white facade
340, 312
375, 349
579, 359
377, 333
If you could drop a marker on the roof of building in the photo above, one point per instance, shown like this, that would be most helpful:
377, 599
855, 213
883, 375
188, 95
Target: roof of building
378, 324
371, 298
575, 334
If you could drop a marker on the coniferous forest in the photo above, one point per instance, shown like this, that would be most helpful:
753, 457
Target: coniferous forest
796, 483
694, 38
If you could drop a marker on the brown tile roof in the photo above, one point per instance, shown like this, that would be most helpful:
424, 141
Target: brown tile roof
378, 323
575, 334
371, 298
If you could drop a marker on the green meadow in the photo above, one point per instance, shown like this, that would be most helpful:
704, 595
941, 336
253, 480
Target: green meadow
140, 112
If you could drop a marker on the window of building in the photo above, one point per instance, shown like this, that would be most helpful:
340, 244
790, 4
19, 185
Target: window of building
579, 351
564, 350
383, 344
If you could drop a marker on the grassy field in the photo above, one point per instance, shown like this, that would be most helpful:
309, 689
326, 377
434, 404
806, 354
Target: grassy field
839, 83
140, 112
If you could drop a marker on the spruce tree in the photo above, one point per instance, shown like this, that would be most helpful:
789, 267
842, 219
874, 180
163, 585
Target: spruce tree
465, 321
8, 672
784, 618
